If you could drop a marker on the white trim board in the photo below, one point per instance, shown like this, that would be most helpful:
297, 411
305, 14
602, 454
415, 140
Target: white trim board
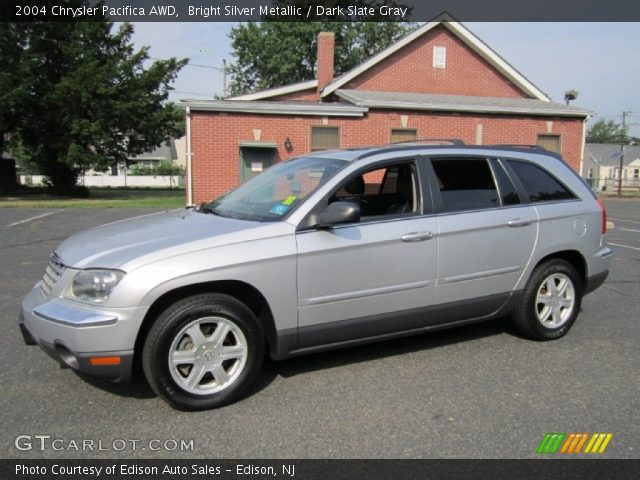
277, 91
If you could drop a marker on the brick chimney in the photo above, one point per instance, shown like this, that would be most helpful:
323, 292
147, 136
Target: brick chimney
326, 43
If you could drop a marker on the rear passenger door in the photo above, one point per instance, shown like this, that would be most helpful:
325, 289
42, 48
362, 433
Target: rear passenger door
486, 233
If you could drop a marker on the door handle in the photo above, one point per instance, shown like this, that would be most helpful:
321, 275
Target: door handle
416, 236
517, 222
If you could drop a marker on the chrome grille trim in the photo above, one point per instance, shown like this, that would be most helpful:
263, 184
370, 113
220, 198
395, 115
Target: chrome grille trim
52, 274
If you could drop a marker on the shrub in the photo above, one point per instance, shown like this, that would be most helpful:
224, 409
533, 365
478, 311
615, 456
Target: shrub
162, 168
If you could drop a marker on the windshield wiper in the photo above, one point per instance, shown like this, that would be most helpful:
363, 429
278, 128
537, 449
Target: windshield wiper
208, 208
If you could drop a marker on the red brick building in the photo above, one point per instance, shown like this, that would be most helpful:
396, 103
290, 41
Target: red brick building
440, 81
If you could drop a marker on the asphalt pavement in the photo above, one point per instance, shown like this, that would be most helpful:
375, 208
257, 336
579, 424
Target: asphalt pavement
473, 392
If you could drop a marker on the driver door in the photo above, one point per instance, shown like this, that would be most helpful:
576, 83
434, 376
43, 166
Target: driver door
373, 277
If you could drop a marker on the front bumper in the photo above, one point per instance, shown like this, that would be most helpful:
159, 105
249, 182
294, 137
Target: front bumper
84, 338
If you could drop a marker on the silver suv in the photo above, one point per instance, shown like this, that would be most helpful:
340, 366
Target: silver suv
324, 251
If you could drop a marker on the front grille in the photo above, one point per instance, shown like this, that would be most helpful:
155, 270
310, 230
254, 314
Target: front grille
52, 274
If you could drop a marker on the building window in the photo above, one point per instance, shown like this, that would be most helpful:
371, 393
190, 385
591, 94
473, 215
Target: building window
439, 57
403, 135
636, 173
325, 138
549, 142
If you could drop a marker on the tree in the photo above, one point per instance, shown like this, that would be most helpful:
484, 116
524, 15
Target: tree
12, 43
80, 97
607, 131
272, 54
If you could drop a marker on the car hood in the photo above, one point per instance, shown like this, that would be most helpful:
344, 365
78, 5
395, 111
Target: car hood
115, 244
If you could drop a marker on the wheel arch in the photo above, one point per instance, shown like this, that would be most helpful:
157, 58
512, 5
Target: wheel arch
242, 291
574, 258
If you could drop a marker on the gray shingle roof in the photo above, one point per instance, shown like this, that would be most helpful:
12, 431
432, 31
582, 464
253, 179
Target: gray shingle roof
166, 151
458, 103
602, 153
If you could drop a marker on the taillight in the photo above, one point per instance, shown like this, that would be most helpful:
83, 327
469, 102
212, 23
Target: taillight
603, 209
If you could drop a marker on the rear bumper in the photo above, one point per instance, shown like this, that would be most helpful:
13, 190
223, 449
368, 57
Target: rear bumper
87, 340
598, 264
595, 281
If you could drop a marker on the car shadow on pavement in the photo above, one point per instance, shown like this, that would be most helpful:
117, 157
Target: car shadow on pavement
389, 348
140, 389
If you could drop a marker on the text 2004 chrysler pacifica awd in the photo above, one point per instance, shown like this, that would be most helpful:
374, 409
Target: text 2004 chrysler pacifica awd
327, 250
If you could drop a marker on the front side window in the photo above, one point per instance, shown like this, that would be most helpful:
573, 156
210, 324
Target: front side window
383, 191
269, 196
538, 183
465, 184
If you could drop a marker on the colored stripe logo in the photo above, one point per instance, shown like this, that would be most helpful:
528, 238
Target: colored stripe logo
574, 443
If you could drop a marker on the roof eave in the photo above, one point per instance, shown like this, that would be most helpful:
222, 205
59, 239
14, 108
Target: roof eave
313, 109
478, 109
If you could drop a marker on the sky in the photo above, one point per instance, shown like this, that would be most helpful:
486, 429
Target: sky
599, 60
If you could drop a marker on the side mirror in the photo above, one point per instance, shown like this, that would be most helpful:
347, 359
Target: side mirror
337, 213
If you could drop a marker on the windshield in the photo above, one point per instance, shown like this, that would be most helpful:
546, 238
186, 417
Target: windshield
275, 192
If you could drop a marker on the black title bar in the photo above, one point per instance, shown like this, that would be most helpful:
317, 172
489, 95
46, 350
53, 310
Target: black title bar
319, 469
330, 10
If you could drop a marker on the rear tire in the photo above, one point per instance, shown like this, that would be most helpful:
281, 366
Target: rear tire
550, 302
203, 352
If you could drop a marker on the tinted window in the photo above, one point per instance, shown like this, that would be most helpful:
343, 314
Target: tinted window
508, 193
465, 184
539, 185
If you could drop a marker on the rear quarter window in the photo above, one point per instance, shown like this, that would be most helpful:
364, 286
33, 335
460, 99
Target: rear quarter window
539, 184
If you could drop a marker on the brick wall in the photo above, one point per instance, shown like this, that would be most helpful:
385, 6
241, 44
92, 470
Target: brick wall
410, 69
215, 137
309, 95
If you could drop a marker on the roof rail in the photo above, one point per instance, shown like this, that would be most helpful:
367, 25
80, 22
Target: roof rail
516, 145
452, 141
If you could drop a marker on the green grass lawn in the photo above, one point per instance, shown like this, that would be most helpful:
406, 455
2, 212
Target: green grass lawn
101, 198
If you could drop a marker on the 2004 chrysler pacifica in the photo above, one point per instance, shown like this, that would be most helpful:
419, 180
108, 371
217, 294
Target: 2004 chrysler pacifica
327, 250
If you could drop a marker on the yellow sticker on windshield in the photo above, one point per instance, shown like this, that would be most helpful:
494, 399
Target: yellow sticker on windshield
289, 200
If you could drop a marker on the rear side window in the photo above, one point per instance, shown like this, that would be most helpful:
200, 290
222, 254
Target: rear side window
539, 184
508, 193
465, 184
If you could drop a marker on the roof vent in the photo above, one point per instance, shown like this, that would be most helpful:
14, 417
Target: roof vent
439, 57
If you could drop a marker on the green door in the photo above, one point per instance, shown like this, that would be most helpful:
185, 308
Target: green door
254, 160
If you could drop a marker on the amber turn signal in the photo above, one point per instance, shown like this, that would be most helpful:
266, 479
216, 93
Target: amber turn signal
98, 361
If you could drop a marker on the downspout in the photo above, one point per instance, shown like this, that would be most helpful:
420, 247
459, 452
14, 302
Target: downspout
583, 145
189, 154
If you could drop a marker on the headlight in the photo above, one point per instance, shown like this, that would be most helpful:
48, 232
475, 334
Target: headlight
94, 286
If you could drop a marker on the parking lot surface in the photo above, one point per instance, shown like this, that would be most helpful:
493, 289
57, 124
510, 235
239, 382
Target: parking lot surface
474, 392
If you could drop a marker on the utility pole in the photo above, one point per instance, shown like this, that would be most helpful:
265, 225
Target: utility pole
623, 134
224, 77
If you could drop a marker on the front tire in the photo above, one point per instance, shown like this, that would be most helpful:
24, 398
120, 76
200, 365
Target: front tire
550, 302
203, 352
